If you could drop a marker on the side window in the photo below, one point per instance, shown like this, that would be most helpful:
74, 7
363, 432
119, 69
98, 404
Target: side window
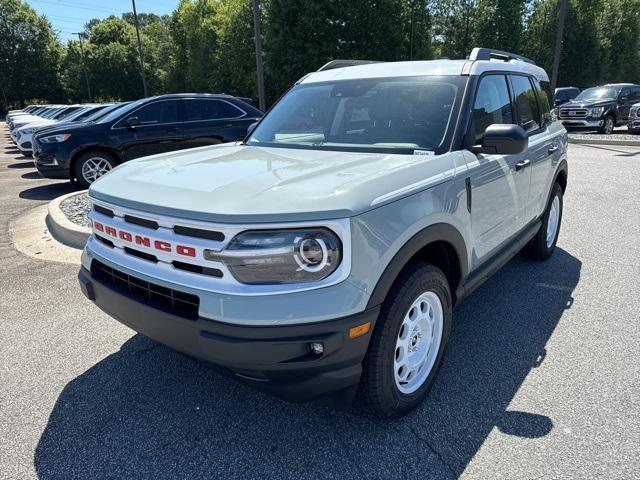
526, 104
635, 95
492, 104
546, 104
201, 109
158, 113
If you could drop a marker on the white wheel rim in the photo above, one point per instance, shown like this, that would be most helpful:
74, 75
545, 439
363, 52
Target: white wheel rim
418, 343
94, 168
552, 222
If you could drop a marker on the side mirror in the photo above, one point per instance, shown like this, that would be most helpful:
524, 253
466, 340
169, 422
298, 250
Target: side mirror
502, 139
623, 99
251, 128
132, 121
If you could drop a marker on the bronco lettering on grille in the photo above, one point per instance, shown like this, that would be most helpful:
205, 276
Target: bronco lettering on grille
161, 245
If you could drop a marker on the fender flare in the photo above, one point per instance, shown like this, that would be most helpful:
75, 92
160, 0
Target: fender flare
439, 232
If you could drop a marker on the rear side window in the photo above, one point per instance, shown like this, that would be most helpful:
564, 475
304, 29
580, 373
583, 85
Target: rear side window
158, 112
202, 109
546, 105
528, 114
492, 104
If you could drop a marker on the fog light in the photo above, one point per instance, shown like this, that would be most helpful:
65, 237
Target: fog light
316, 347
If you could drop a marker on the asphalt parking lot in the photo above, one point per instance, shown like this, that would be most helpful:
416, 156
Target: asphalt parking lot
541, 380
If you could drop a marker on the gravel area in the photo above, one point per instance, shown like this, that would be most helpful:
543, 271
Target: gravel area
76, 209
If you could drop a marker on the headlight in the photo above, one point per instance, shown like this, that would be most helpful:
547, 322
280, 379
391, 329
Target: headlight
281, 256
63, 137
28, 131
597, 111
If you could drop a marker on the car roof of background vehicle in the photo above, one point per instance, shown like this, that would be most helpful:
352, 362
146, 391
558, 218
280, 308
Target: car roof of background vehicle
424, 68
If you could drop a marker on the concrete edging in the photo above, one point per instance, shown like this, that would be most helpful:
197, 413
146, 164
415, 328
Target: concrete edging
610, 143
63, 229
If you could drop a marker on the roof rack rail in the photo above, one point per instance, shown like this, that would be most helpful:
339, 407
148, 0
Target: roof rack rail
490, 53
344, 63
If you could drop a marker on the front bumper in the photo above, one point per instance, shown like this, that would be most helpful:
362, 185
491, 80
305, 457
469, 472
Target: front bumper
634, 124
276, 359
577, 123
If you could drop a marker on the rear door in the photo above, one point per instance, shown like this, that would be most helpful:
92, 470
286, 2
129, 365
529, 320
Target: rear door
499, 183
546, 148
157, 129
209, 121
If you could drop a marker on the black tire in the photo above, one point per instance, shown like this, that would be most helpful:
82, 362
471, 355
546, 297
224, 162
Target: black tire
378, 387
537, 248
94, 155
608, 125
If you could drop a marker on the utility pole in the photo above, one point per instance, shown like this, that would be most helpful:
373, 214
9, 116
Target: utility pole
135, 21
558, 48
259, 68
412, 32
84, 66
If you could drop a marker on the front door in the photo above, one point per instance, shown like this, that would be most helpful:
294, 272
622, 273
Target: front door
499, 183
157, 129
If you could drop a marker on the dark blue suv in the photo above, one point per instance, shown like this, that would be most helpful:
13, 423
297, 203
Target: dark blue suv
152, 125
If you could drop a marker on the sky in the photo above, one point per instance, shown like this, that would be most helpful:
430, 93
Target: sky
70, 16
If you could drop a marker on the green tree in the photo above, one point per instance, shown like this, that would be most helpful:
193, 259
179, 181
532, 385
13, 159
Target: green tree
29, 55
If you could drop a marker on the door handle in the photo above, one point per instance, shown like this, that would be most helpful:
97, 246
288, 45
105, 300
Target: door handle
523, 164
552, 148
228, 125
173, 129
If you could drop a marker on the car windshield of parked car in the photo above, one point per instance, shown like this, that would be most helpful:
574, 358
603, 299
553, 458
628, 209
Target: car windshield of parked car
96, 116
380, 114
598, 94
119, 112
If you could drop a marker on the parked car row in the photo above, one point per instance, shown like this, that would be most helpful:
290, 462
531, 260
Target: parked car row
599, 108
83, 142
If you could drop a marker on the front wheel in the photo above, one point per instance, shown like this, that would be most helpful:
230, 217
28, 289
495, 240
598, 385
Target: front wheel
544, 242
408, 342
92, 165
608, 125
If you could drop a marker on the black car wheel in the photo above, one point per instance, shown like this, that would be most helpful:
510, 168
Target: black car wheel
408, 341
608, 125
92, 165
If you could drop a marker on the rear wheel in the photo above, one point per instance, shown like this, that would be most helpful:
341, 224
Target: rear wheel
92, 165
408, 342
544, 242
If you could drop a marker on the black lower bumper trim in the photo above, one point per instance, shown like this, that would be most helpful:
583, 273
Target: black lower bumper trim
277, 359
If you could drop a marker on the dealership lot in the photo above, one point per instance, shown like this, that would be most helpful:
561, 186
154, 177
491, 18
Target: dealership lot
541, 379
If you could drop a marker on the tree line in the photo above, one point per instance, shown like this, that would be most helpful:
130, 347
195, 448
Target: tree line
208, 45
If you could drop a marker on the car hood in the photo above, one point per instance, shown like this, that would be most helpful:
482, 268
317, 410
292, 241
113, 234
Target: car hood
37, 124
236, 183
60, 127
582, 104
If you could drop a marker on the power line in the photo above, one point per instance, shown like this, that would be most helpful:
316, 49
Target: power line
83, 7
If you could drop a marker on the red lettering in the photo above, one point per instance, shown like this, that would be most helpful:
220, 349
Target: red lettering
98, 226
145, 241
160, 245
126, 236
186, 251
110, 231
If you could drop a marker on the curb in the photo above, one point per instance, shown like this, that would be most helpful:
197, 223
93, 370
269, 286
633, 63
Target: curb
619, 143
63, 229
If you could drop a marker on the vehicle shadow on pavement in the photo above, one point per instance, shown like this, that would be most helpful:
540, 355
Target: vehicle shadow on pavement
49, 191
148, 412
28, 164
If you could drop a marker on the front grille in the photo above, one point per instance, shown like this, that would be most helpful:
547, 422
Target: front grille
103, 211
573, 112
142, 222
171, 301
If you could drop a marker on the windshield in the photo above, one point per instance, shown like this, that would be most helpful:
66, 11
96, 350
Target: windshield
598, 93
118, 112
380, 114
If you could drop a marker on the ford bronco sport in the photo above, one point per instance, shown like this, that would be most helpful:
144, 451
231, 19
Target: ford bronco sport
322, 255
